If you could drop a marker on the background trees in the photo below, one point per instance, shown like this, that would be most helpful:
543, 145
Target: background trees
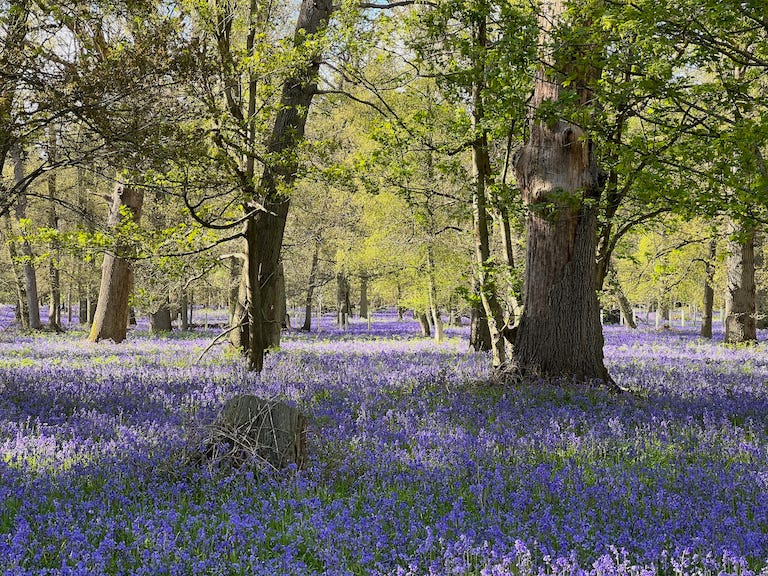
418, 146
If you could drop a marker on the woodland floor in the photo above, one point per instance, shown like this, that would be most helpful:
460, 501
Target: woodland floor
415, 466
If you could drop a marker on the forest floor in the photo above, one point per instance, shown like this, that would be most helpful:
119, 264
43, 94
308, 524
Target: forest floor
415, 466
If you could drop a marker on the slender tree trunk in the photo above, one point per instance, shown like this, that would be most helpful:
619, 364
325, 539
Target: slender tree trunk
480, 334
342, 300
761, 291
22, 307
740, 290
621, 298
363, 294
513, 310
437, 321
559, 333
424, 323
282, 302
480, 172
267, 227
54, 307
111, 316
184, 308
709, 291
311, 287
28, 256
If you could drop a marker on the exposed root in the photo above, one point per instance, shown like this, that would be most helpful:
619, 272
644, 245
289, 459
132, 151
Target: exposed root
511, 374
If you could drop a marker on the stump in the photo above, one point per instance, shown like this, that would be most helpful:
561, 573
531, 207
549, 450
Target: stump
251, 428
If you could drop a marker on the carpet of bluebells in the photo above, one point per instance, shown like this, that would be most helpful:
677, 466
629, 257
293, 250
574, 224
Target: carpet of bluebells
416, 466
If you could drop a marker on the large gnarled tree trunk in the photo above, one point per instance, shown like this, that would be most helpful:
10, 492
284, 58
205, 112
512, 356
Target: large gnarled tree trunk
559, 333
111, 319
740, 324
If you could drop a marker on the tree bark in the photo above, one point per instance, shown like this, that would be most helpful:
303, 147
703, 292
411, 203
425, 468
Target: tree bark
364, 294
54, 306
481, 170
22, 307
740, 324
342, 300
184, 308
559, 333
311, 287
111, 317
479, 335
160, 320
621, 298
27, 254
761, 291
437, 321
266, 227
424, 323
709, 290
16, 28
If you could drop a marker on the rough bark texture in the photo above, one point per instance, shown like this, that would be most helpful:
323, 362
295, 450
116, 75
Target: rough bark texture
111, 318
740, 289
624, 305
265, 230
709, 291
559, 333
342, 300
437, 321
184, 309
480, 334
28, 266
54, 302
252, 427
16, 28
311, 287
481, 171
761, 292
22, 308
363, 294
160, 320
424, 324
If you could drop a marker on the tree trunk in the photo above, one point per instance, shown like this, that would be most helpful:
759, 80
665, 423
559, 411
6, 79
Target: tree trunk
311, 287
15, 30
28, 256
480, 334
559, 333
740, 290
54, 306
235, 280
621, 298
364, 294
342, 300
761, 291
22, 307
709, 291
160, 320
437, 321
111, 317
424, 323
267, 227
184, 308
481, 170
